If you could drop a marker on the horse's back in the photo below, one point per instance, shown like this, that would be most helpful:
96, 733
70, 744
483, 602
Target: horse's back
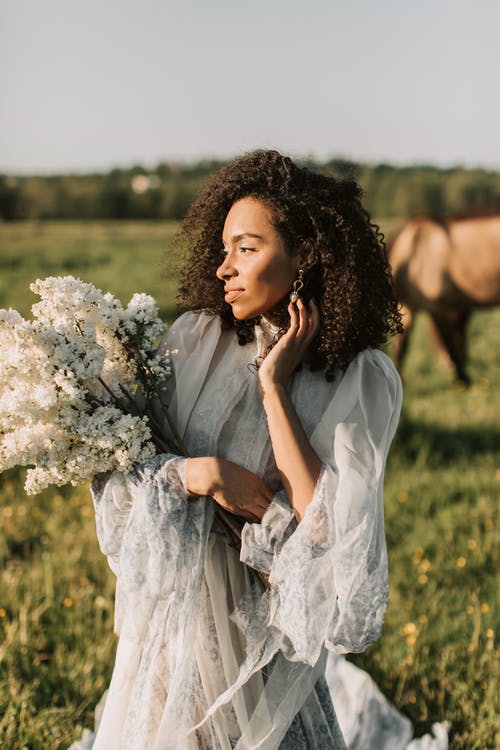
475, 261
419, 257
455, 262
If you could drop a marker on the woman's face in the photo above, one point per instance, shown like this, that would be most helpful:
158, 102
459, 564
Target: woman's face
257, 271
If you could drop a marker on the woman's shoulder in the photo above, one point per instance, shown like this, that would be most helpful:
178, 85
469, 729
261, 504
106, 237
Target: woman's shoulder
191, 318
371, 359
193, 323
372, 374
374, 360
367, 395
370, 377
188, 332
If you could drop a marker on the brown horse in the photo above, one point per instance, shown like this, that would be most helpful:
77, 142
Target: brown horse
447, 269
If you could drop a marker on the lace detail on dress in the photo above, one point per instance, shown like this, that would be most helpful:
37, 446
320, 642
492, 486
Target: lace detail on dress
201, 642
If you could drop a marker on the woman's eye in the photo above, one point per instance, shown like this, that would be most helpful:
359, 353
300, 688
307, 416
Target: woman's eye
242, 249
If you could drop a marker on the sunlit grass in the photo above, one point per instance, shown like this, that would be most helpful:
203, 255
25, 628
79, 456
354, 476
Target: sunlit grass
120, 257
438, 657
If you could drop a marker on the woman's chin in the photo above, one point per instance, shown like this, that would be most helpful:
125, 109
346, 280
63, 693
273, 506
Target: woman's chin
240, 316
277, 311
245, 314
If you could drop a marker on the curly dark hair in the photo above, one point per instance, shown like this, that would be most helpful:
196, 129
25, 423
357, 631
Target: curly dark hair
342, 253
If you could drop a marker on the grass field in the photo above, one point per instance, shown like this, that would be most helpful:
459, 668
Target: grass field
120, 257
438, 657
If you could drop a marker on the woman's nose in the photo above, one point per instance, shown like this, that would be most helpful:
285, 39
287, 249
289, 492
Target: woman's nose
226, 269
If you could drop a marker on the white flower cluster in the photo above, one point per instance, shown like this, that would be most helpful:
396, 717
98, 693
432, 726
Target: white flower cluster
68, 380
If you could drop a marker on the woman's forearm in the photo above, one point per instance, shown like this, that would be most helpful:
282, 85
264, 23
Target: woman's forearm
233, 487
296, 459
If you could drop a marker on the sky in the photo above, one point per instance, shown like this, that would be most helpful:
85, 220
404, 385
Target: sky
94, 84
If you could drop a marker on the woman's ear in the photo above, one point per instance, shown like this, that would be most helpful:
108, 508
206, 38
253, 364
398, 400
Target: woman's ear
298, 260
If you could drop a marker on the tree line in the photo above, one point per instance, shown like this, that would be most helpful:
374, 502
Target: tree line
166, 191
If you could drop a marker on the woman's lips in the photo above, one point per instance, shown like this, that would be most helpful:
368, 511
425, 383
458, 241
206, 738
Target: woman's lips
232, 295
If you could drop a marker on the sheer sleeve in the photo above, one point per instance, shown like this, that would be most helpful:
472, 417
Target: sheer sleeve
114, 494
328, 574
189, 343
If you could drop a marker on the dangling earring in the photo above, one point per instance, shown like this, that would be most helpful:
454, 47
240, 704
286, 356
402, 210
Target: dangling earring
298, 285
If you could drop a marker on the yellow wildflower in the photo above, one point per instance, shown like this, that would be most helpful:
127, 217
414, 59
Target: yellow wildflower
471, 543
461, 562
485, 608
490, 633
422, 579
68, 602
419, 553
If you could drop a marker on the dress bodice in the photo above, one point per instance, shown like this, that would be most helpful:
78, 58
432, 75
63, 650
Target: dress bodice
228, 418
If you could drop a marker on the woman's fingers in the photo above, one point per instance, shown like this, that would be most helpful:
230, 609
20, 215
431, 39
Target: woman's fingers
289, 351
313, 321
252, 507
298, 321
246, 514
266, 493
294, 320
304, 321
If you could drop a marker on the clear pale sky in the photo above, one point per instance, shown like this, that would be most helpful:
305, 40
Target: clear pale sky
91, 84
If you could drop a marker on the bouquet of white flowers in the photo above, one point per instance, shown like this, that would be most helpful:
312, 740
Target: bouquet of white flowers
69, 380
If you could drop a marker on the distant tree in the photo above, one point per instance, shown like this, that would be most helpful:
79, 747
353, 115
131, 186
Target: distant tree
168, 190
116, 202
434, 199
11, 208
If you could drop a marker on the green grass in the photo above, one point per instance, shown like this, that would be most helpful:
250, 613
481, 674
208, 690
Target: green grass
120, 257
438, 657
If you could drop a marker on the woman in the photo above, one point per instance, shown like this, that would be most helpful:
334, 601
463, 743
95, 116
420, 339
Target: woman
287, 409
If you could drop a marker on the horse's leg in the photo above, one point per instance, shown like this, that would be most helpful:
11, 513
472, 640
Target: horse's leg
451, 326
401, 339
438, 346
461, 339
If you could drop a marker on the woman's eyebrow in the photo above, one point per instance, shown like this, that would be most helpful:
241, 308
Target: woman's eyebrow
238, 237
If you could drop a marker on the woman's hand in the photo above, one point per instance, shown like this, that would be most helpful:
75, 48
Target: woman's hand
234, 488
289, 351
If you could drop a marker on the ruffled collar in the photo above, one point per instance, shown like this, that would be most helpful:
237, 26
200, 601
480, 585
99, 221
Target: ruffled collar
266, 333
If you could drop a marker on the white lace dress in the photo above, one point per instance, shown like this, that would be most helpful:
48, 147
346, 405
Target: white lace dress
207, 657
